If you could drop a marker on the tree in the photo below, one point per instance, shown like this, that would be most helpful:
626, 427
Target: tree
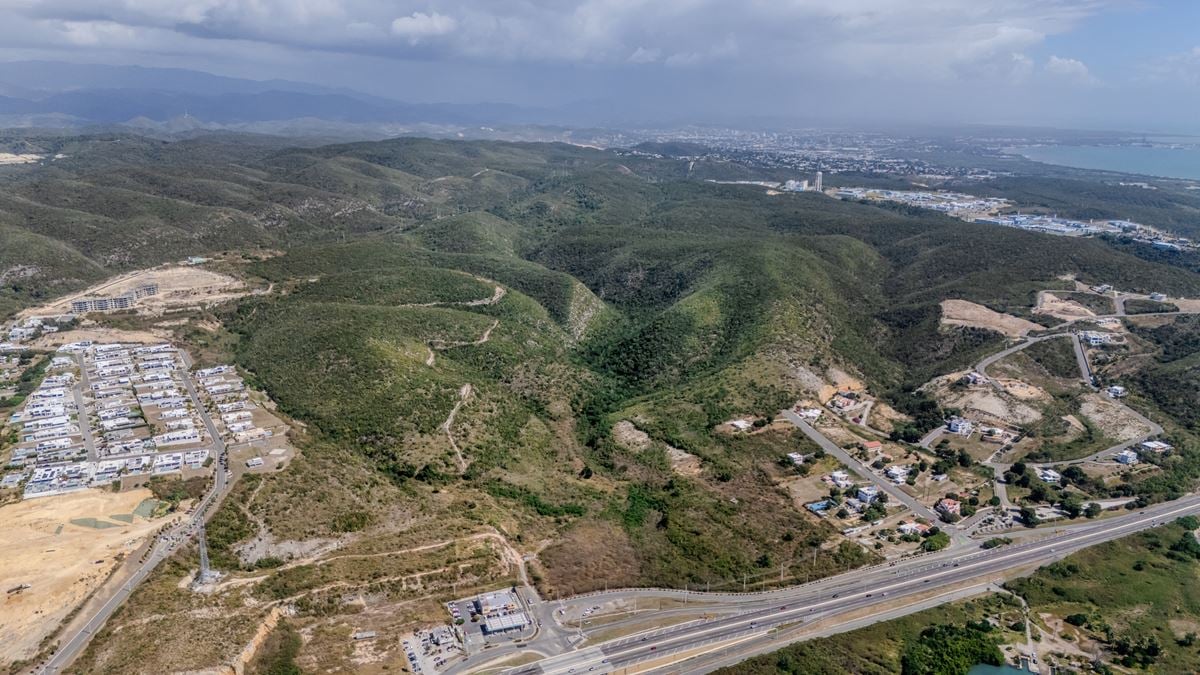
1029, 516
936, 542
949, 649
1093, 509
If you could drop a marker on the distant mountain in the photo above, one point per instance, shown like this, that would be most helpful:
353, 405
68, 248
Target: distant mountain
79, 95
28, 79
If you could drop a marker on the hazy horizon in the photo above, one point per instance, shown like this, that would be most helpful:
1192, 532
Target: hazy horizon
1074, 64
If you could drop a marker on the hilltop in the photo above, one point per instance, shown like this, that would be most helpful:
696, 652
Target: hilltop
541, 343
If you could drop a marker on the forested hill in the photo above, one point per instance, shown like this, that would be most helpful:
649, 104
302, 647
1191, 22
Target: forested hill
631, 293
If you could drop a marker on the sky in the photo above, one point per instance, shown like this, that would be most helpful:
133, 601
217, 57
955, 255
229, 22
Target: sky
1098, 64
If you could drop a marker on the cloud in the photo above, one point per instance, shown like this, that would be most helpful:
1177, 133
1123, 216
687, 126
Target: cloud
1069, 69
933, 38
643, 55
1176, 69
420, 25
1021, 68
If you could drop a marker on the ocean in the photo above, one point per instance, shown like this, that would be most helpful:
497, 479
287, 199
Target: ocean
1151, 161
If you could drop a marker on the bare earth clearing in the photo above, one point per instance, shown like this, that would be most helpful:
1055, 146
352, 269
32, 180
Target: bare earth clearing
984, 399
972, 315
632, 438
178, 286
1114, 419
63, 562
1059, 308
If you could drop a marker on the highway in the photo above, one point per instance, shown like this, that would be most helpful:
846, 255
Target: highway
162, 548
859, 591
740, 625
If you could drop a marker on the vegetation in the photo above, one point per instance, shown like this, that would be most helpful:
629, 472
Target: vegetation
631, 292
277, 655
950, 649
1056, 356
1139, 306
948, 639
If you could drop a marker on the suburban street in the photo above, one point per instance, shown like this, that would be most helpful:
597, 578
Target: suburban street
739, 625
162, 547
1155, 429
849, 460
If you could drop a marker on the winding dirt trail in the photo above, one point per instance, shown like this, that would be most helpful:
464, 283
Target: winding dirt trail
496, 296
464, 394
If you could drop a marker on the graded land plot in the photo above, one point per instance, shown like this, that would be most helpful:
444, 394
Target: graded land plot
64, 547
1061, 306
178, 286
1094, 302
972, 315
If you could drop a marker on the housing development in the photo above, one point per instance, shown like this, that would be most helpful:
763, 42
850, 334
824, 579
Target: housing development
120, 413
1001, 211
458, 407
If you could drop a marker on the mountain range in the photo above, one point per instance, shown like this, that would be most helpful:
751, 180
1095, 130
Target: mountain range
47, 93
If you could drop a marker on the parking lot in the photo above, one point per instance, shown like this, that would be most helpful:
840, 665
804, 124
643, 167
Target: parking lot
428, 651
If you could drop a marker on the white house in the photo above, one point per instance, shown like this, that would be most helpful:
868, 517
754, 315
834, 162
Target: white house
840, 479
949, 507
960, 426
1127, 457
1049, 475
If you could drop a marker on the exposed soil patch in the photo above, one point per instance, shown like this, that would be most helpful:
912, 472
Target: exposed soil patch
1061, 308
972, 315
63, 562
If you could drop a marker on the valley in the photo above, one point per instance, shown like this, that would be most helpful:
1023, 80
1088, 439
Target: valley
565, 370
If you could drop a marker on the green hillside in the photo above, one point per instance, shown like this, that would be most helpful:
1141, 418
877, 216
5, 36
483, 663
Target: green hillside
628, 293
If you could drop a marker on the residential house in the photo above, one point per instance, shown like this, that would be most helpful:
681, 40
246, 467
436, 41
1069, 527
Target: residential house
1049, 475
949, 507
1127, 457
960, 426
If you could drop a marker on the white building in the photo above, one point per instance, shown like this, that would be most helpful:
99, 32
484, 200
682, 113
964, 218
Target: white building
1127, 457
960, 426
1157, 447
1049, 475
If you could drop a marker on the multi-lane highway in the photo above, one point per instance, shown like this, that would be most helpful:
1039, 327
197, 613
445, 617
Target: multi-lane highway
751, 626
844, 596
160, 549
